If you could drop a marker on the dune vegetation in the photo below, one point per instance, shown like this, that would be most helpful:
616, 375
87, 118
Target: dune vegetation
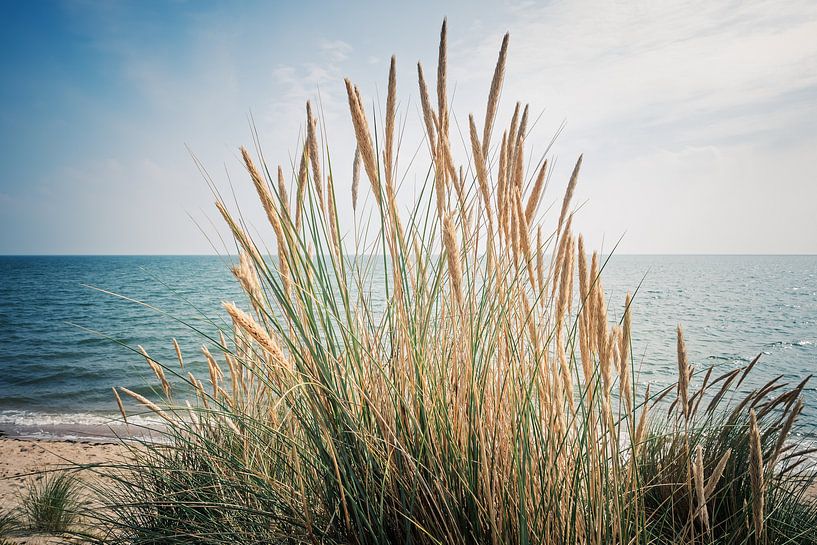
482, 393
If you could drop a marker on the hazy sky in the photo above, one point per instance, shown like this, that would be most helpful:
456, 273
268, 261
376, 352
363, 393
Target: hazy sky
698, 120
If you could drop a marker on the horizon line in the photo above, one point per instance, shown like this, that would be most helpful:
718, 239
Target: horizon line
622, 254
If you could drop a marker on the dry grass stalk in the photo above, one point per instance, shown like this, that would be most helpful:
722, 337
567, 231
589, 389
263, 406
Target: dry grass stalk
756, 476
540, 265
698, 473
624, 355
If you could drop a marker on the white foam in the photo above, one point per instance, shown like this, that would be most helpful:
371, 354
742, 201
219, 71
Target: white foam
31, 419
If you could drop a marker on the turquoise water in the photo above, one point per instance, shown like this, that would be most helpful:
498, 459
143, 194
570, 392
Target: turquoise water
56, 376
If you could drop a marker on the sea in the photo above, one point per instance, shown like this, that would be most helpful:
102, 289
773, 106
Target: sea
70, 326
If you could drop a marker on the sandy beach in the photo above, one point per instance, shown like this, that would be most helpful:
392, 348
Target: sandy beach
21, 459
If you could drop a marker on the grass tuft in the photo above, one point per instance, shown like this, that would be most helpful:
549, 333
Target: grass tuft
52, 504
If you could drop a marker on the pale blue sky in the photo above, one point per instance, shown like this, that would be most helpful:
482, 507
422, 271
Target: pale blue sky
698, 120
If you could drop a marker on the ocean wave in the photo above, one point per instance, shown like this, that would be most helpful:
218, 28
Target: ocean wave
29, 419
790, 344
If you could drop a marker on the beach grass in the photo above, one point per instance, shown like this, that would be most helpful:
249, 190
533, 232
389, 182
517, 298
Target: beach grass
51, 504
484, 395
9, 525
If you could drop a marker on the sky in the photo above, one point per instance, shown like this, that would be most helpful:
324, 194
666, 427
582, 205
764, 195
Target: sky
697, 120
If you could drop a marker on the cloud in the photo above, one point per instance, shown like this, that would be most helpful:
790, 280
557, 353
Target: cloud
601, 65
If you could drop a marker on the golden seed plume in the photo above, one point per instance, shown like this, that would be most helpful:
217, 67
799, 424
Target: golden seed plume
272, 212
146, 402
214, 369
248, 278
583, 280
248, 324
493, 96
624, 348
314, 155
536, 193
391, 109
519, 164
120, 405
282, 192
364, 140
303, 175
571, 186
641, 428
178, 350
239, 234
334, 228
482, 170
560, 254
512, 131
260, 185
453, 255
442, 65
157, 370
684, 373
355, 177
523, 128
500, 192
428, 112
784, 432
716, 474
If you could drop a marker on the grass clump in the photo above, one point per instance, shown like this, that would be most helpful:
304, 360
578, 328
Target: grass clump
481, 394
52, 504
9, 526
